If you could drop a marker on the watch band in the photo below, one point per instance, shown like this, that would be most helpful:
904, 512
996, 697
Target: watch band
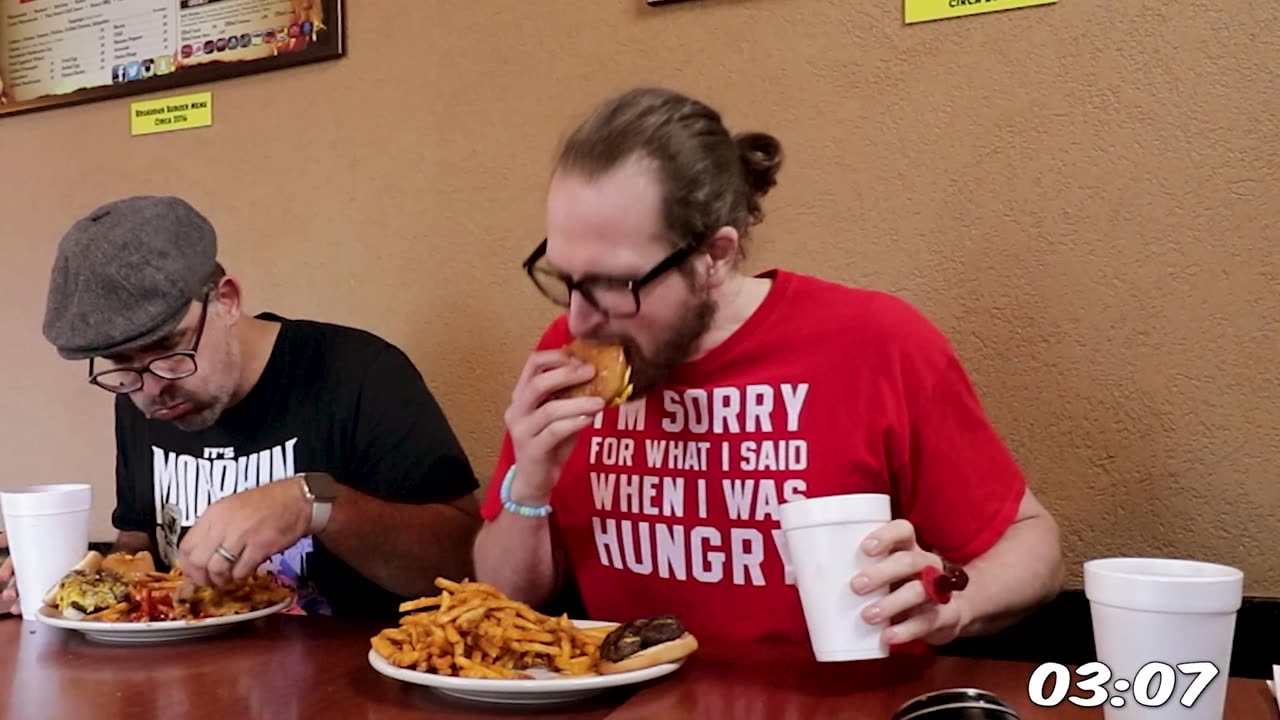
320, 516
321, 503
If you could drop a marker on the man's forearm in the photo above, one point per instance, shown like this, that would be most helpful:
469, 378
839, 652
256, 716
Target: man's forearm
130, 541
1021, 572
514, 554
403, 547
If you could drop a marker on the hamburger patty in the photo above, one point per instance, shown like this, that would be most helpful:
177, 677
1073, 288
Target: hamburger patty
630, 638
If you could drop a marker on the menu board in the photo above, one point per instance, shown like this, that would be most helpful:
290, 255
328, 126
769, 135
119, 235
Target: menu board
60, 52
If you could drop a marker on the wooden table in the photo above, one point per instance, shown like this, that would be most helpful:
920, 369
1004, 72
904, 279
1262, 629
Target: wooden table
306, 668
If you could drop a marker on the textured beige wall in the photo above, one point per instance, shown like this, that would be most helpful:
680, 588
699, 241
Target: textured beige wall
1082, 195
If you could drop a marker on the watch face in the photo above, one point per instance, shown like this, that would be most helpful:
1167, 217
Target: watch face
322, 485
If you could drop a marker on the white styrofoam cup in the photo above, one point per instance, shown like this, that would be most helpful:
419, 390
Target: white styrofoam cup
823, 546
48, 529
1151, 615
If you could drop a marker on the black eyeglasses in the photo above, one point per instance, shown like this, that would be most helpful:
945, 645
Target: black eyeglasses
171, 366
612, 296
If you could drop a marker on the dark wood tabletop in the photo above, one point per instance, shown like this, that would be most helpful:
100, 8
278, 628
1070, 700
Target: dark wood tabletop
291, 667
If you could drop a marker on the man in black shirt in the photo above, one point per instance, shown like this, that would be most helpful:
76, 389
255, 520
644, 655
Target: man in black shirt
243, 440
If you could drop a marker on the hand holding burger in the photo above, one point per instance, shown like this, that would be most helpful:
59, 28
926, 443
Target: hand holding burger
557, 395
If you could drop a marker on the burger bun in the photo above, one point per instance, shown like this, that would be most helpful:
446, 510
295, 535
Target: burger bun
660, 654
612, 380
129, 566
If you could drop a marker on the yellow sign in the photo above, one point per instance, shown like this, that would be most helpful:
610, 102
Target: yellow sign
925, 10
174, 113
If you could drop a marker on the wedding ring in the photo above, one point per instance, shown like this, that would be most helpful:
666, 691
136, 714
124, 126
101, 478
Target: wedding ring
230, 556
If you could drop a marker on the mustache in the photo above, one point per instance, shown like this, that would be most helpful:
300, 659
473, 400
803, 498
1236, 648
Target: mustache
164, 401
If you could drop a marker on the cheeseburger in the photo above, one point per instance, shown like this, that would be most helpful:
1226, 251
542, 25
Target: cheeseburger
612, 381
644, 643
97, 583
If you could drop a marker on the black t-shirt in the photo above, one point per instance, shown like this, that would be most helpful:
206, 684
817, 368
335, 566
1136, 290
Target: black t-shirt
331, 399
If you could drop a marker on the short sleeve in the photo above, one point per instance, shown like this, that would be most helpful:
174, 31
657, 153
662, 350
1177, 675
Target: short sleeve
556, 335
955, 479
131, 514
404, 450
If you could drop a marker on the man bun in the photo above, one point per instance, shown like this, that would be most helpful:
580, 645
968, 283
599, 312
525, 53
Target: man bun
710, 178
761, 157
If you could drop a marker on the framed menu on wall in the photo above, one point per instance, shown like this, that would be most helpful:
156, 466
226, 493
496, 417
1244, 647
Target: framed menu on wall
64, 52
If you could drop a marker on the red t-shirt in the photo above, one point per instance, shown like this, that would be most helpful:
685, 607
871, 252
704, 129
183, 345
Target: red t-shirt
669, 504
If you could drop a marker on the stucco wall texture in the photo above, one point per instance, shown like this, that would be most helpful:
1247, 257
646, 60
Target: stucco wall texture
1082, 195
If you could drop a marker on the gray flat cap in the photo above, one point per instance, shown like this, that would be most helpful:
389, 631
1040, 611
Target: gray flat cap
125, 275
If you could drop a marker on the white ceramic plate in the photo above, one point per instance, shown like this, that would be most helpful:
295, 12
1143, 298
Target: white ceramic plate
141, 633
546, 688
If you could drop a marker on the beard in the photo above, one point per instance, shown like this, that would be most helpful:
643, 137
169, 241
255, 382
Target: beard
651, 369
202, 416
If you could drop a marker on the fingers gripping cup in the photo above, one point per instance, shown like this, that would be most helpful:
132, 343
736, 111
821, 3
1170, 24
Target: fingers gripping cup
48, 528
1164, 627
823, 545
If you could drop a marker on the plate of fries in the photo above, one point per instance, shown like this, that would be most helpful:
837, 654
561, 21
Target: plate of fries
473, 642
157, 607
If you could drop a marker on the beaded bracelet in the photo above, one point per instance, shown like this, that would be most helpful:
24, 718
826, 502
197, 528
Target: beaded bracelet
512, 506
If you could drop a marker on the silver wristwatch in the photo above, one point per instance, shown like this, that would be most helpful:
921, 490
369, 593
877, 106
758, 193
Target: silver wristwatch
320, 489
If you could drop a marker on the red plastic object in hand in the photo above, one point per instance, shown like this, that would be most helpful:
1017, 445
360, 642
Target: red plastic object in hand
940, 583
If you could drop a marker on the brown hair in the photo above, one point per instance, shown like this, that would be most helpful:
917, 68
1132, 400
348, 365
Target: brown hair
710, 178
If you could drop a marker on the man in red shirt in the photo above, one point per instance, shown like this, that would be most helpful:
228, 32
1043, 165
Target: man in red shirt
750, 391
